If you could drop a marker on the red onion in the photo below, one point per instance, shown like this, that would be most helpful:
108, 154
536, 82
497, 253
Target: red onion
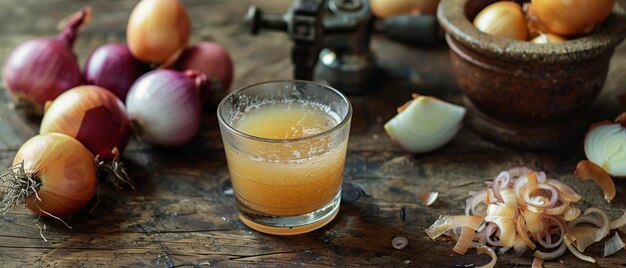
213, 60
40, 69
113, 67
165, 106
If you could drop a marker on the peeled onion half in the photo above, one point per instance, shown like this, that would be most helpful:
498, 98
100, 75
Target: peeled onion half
605, 146
425, 124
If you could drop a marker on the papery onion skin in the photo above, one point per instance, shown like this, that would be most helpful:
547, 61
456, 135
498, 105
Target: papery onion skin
505, 19
571, 18
465, 240
165, 106
67, 172
444, 223
40, 69
587, 170
113, 67
158, 31
213, 60
92, 115
577, 253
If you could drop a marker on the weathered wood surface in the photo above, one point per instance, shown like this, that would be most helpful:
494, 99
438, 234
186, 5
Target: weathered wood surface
179, 216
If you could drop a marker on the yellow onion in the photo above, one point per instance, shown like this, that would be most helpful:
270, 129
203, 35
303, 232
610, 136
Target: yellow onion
388, 8
571, 17
92, 115
158, 31
505, 19
53, 174
97, 118
546, 38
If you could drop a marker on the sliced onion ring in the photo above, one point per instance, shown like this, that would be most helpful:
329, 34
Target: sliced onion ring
613, 245
523, 232
571, 213
549, 256
618, 223
540, 201
506, 227
603, 231
567, 193
577, 253
487, 251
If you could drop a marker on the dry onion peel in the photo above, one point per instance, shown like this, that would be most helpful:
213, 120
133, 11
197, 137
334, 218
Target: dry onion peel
445, 223
465, 240
577, 253
613, 245
537, 263
588, 170
425, 124
582, 236
428, 198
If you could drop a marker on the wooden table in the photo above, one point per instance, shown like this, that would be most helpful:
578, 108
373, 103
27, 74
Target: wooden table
179, 214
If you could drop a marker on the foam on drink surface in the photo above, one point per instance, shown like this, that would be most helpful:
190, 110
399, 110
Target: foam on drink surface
285, 120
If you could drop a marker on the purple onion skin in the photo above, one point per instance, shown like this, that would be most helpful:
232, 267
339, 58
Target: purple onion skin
213, 60
39, 70
165, 106
113, 67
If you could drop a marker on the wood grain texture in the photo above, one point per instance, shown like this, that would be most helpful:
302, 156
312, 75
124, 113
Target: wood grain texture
180, 217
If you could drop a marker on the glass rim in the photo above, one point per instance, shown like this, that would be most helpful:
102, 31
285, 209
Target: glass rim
344, 120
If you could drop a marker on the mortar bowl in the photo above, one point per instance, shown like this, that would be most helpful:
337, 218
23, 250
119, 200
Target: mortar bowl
526, 95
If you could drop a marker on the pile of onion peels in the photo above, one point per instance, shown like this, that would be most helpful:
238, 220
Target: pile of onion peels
522, 209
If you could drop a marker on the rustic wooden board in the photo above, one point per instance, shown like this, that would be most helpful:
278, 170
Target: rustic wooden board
179, 214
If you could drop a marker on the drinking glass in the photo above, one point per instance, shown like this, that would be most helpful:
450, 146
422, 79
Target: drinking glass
285, 145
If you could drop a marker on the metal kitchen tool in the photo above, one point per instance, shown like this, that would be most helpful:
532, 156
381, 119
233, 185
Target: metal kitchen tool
331, 38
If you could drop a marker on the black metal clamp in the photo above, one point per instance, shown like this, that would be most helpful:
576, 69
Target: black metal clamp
337, 34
